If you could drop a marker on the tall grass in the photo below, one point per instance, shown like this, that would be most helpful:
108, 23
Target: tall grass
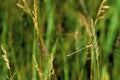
59, 40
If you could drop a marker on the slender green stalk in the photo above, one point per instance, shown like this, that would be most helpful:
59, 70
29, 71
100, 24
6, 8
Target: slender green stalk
50, 23
34, 77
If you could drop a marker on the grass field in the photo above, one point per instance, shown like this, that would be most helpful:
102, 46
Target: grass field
59, 40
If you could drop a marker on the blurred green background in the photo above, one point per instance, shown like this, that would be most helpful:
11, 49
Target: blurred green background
64, 22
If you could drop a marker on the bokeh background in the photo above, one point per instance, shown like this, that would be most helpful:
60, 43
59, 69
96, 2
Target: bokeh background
69, 28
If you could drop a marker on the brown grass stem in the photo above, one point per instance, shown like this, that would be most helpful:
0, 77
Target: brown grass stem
87, 46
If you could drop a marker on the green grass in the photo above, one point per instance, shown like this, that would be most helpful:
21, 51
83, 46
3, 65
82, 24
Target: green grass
59, 40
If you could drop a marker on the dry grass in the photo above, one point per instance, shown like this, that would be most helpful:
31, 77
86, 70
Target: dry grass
90, 28
46, 69
81, 47
34, 15
95, 50
10, 77
37, 67
5, 57
100, 12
